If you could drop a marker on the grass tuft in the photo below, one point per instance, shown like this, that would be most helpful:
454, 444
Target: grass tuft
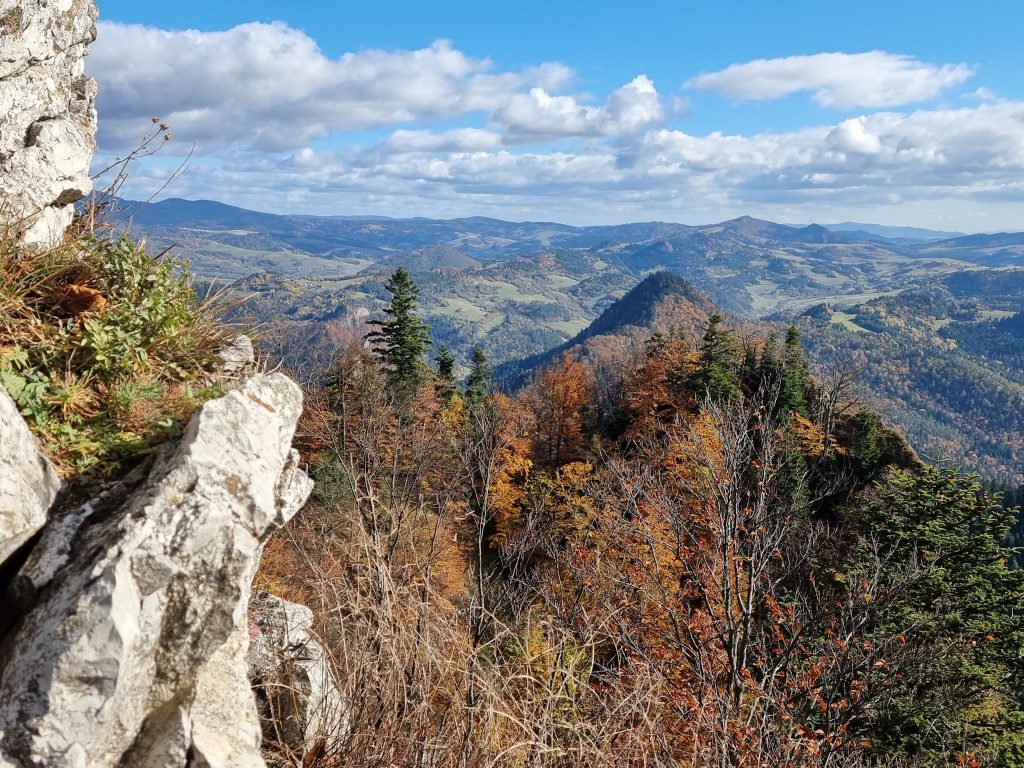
106, 349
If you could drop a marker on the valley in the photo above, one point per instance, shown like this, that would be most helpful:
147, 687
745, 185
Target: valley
926, 323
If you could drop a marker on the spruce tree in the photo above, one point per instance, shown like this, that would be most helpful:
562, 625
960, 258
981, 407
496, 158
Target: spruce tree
445, 372
401, 341
935, 546
478, 384
717, 377
796, 381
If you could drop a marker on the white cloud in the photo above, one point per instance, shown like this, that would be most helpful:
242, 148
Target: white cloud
538, 116
907, 159
459, 136
872, 79
458, 140
854, 137
271, 86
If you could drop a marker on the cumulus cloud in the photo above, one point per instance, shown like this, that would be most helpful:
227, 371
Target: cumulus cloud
853, 136
843, 80
880, 159
537, 115
271, 86
455, 135
953, 151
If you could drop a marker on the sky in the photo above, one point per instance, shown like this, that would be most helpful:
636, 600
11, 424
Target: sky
899, 112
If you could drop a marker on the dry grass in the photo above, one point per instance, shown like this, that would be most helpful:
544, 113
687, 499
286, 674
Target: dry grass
105, 348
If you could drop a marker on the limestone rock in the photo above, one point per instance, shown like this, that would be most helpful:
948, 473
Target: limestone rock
28, 481
47, 113
238, 356
300, 707
132, 652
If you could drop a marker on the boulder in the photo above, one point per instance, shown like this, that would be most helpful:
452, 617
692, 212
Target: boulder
132, 652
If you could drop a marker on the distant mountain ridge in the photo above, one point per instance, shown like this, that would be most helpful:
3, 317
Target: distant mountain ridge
894, 232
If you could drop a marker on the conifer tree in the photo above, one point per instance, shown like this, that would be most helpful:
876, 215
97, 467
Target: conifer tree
934, 545
445, 372
769, 367
401, 341
796, 377
478, 384
717, 377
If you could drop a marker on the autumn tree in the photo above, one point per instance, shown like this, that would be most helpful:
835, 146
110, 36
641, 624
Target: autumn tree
560, 399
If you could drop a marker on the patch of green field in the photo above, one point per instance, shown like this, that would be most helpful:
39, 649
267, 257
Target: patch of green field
460, 308
846, 320
511, 292
996, 314
568, 327
490, 323
764, 294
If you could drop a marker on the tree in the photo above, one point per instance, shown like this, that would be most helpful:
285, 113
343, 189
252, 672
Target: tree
796, 377
401, 342
478, 384
445, 373
717, 376
934, 544
560, 402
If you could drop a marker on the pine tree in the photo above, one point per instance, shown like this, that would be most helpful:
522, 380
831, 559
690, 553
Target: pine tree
401, 342
934, 545
717, 377
769, 367
478, 384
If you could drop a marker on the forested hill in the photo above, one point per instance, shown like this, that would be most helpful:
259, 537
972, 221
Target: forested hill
730, 543
924, 323
943, 361
662, 302
750, 267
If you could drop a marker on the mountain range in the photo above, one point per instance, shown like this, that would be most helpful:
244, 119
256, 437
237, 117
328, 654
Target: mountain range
926, 319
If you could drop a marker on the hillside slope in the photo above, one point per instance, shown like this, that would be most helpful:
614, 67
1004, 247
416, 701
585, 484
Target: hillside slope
660, 303
944, 362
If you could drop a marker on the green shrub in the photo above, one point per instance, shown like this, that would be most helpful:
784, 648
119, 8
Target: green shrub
105, 349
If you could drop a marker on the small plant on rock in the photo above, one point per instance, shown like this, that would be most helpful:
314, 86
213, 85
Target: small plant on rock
105, 348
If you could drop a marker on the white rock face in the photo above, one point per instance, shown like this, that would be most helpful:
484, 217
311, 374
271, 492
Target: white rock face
28, 481
300, 706
133, 652
47, 113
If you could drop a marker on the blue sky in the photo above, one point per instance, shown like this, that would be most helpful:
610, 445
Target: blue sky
899, 112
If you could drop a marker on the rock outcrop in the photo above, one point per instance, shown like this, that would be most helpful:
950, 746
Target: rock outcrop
47, 113
131, 643
299, 705
28, 481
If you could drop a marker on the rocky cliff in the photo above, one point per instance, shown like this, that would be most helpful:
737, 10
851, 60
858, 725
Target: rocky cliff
127, 615
124, 619
47, 113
